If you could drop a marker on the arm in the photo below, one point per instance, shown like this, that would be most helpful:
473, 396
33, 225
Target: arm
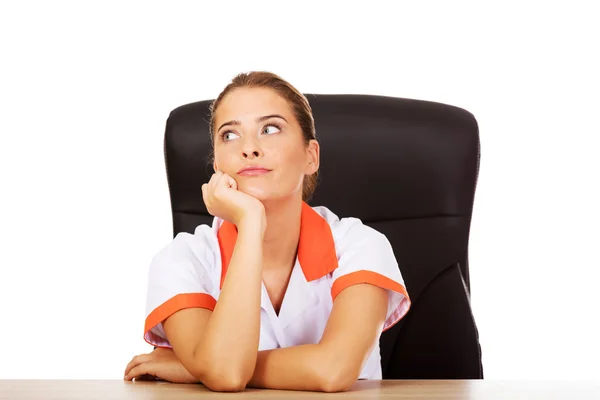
223, 356
210, 345
335, 363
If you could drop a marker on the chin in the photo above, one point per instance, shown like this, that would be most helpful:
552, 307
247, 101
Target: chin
263, 195
258, 193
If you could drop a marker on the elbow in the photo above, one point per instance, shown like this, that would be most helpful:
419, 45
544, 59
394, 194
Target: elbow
222, 375
338, 380
336, 385
222, 379
225, 383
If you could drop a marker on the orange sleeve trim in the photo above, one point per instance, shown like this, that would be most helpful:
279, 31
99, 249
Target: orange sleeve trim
364, 276
176, 303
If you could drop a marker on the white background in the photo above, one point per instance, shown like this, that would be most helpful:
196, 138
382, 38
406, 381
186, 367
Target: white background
86, 88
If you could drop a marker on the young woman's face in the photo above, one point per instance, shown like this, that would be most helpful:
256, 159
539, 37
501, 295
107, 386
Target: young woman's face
255, 128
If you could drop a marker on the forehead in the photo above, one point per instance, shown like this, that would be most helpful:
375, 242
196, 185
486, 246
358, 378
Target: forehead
244, 103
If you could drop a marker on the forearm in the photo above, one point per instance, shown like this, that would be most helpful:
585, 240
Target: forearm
230, 349
306, 367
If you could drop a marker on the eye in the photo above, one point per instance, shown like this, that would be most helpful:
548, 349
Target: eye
272, 125
228, 135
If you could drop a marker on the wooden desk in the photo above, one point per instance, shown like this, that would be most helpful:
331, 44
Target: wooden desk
473, 390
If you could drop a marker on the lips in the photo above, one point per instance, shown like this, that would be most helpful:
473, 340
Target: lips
253, 171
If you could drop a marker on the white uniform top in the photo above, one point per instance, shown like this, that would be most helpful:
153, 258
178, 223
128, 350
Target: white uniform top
333, 254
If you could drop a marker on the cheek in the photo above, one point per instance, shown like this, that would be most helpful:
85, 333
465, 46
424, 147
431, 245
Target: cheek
224, 158
292, 163
289, 158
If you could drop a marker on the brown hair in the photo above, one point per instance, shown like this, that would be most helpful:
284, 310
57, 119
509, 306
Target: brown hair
297, 101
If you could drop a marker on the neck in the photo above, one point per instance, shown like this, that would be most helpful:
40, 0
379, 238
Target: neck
282, 234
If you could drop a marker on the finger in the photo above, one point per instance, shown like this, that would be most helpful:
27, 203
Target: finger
214, 179
217, 185
136, 361
140, 370
222, 181
231, 182
228, 181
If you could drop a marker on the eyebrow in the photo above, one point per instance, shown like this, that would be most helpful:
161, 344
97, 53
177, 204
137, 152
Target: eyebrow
259, 119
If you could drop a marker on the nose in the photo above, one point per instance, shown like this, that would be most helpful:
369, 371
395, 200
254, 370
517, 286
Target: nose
251, 149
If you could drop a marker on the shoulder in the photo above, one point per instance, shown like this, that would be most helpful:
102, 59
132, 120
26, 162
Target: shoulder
197, 250
365, 255
350, 232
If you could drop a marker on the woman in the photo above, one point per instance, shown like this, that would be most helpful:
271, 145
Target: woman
275, 294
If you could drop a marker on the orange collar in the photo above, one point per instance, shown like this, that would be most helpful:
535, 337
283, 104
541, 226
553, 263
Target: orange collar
316, 248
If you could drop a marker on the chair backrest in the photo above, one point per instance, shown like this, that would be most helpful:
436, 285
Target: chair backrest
407, 168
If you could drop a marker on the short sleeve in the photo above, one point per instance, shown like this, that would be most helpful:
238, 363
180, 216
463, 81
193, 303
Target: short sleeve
366, 256
178, 278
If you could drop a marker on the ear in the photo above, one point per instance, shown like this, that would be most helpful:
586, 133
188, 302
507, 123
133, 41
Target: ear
313, 151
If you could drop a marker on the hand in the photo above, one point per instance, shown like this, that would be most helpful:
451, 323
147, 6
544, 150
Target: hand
223, 200
160, 364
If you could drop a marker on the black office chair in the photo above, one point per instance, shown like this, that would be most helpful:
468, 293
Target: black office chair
408, 169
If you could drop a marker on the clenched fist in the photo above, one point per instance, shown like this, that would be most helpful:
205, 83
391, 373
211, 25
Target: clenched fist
224, 200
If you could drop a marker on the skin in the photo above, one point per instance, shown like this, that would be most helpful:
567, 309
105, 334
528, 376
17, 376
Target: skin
208, 346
